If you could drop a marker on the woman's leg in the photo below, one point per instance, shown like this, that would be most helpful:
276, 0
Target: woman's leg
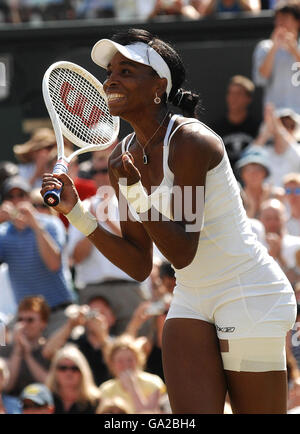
257, 392
193, 367
256, 375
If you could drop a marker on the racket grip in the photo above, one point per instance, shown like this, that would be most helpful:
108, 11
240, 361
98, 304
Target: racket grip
52, 197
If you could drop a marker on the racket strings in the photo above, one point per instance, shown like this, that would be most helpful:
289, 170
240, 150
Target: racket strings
82, 110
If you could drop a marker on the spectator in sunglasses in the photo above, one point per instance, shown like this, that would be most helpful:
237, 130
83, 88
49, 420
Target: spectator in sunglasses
24, 354
291, 184
71, 382
37, 399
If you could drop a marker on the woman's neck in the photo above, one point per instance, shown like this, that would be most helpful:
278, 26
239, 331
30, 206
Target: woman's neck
150, 126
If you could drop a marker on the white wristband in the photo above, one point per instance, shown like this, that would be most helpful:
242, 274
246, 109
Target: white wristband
82, 219
136, 195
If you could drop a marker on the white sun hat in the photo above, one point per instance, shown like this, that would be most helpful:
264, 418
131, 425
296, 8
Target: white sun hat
104, 50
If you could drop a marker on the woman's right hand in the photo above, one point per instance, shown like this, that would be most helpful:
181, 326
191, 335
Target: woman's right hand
69, 195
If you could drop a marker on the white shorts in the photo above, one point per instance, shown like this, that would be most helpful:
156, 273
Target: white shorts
256, 304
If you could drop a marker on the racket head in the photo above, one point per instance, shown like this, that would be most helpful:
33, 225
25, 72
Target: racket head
80, 106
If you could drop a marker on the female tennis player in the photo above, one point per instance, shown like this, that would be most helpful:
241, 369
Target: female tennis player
232, 306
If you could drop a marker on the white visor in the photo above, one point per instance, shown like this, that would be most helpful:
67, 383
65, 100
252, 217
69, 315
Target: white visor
104, 50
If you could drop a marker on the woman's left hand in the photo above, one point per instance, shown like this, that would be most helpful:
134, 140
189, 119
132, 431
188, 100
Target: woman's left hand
124, 169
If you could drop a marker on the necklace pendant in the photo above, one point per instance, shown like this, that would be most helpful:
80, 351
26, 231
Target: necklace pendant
145, 159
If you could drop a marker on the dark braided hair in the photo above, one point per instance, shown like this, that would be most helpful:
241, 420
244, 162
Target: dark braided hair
183, 99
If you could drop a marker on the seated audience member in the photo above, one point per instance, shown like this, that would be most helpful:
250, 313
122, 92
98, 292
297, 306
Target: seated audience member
71, 383
217, 6
34, 154
179, 8
141, 390
96, 320
8, 404
253, 169
32, 244
24, 354
114, 405
283, 151
273, 58
282, 246
36, 398
291, 184
95, 275
238, 128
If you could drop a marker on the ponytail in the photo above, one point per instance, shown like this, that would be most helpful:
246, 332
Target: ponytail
186, 101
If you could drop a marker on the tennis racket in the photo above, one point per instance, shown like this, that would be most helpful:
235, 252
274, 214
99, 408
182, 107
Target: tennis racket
77, 106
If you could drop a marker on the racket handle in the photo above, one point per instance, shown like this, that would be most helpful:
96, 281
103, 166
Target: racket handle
52, 197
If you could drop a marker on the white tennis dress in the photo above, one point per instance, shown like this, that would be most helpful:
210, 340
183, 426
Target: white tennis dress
232, 281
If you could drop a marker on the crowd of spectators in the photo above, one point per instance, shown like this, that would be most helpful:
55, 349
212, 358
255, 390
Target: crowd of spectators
35, 11
81, 336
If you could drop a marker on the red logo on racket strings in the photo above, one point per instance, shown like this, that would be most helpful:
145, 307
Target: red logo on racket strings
79, 105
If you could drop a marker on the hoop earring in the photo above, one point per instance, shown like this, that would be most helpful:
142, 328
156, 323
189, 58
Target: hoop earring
157, 100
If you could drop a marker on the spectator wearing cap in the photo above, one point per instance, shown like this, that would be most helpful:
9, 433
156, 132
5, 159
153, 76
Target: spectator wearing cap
95, 275
291, 184
253, 170
24, 353
32, 245
36, 398
237, 127
278, 136
34, 155
273, 58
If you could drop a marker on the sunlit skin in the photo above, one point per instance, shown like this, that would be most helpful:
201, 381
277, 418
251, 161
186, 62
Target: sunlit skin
123, 360
68, 379
273, 220
287, 22
32, 324
253, 174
